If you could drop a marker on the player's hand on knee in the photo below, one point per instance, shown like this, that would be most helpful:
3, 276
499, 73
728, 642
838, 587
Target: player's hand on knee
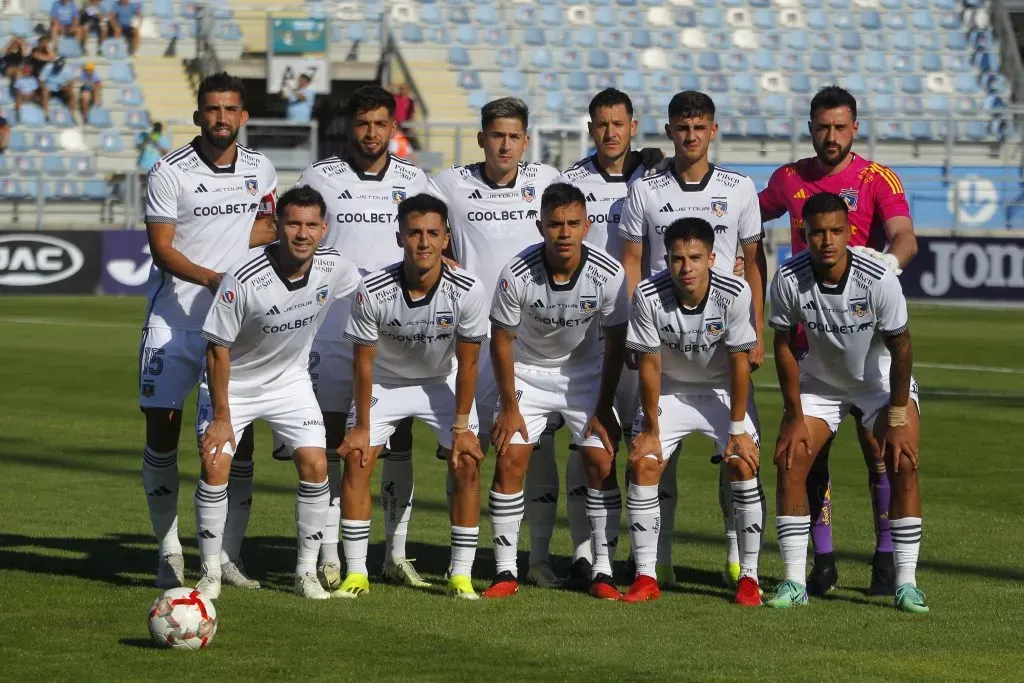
794, 441
645, 443
356, 445
742, 446
509, 422
605, 427
900, 441
219, 434
464, 444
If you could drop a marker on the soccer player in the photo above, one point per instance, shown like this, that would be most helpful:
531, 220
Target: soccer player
689, 185
859, 359
604, 178
553, 303
691, 327
879, 215
410, 321
207, 203
493, 213
362, 189
258, 334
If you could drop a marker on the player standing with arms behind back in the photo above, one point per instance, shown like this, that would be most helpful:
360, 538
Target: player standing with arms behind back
207, 203
859, 359
878, 215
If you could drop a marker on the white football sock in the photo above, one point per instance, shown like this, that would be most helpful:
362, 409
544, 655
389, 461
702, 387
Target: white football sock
211, 515
576, 506
906, 546
603, 511
668, 498
541, 491
355, 537
732, 548
643, 512
464, 542
160, 483
748, 499
507, 511
239, 506
329, 548
311, 503
396, 491
793, 534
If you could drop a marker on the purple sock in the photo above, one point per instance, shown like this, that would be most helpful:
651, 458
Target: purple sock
879, 483
819, 497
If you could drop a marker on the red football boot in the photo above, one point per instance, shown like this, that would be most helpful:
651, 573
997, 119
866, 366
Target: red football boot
643, 588
602, 588
748, 593
504, 585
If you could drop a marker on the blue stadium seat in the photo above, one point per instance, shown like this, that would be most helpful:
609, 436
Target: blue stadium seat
552, 16
624, 61
936, 104
605, 16
665, 39
996, 84
757, 127
891, 130
956, 41
709, 61
719, 40
69, 48
137, 119
525, 15
571, 59
612, 39
513, 80
744, 83
882, 105
550, 81
229, 31
80, 165
31, 116
640, 39
729, 127
797, 40
893, 5
689, 81
846, 63
633, 81
820, 62
929, 41
842, 22
883, 85
875, 41
53, 165
965, 84
115, 48
534, 36
508, 57
764, 60
11, 189
896, 22
111, 142
120, 72
586, 36
799, 83
931, 62
431, 15
780, 128
950, 21
598, 59
718, 83
682, 61
412, 33
904, 41
764, 20
477, 99
793, 62
854, 82
495, 37
918, 4
823, 42
911, 105
95, 189
19, 141
130, 96
921, 130
966, 106
579, 81
850, 40
911, 85
20, 26
631, 18
904, 64
711, 18
459, 16
5, 166
540, 58
469, 80
163, 9
922, 20
605, 79
870, 20
663, 81
45, 142
554, 101
465, 34
774, 104
487, 15
736, 62
458, 56
818, 20
813, 4
223, 13
26, 166
771, 40
974, 130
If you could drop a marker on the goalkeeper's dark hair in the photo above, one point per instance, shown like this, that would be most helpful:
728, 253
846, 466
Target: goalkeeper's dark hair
421, 203
824, 202
833, 97
690, 229
610, 97
301, 196
691, 104
221, 81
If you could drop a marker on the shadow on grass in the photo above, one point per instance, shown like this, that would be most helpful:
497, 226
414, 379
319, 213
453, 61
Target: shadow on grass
140, 643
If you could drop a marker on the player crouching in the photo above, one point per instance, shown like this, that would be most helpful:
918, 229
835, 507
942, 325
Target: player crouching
859, 360
552, 304
409, 322
258, 332
690, 326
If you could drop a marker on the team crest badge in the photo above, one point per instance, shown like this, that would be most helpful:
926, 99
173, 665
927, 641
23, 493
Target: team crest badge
251, 185
228, 296
588, 304
398, 195
859, 307
444, 320
504, 285
529, 194
148, 389
321, 296
719, 207
714, 327
359, 299
849, 196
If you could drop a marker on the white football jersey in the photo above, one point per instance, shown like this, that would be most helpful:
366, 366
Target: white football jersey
491, 224
362, 217
212, 209
269, 322
606, 196
694, 344
416, 340
559, 325
726, 199
846, 324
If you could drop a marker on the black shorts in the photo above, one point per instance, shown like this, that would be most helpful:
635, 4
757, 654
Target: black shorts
92, 24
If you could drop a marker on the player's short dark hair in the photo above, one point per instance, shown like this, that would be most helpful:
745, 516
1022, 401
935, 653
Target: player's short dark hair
691, 104
368, 98
301, 196
421, 203
221, 81
610, 97
824, 202
558, 195
689, 229
833, 97
505, 108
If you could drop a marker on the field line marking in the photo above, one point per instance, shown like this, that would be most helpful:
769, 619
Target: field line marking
57, 322
959, 367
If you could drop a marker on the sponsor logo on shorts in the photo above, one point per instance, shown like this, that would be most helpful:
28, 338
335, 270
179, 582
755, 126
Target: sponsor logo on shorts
148, 389
313, 423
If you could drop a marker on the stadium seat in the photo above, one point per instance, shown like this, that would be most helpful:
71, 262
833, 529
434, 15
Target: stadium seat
54, 166
458, 56
956, 41
469, 80
922, 20
850, 40
550, 81
624, 61
949, 21
764, 60
605, 16
5, 166
757, 127
798, 41
631, 18
911, 105
137, 119
487, 15
571, 59
605, 79
711, 18
709, 61
540, 58
717, 83
508, 58
792, 62
875, 41
685, 18
931, 62
111, 142
95, 189
26, 166
19, 141
891, 130
640, 39
69, 48
130, 96
20, 26
45, 142
31, 116
883, 85
579, 81
477, 99
412, 33
80, 165
598, 59
974, 130
431, 15
780, 128
911, 85
736, 62
799, 83
921, 130
903, 41
881, 105
525, 15
163, 9
818, 20
552, 16
554, 101
689, 81
870, 20
764, 20
774, 104
534, 36
820, 62
513, 81
743, 83
633, 81
965, 84
465, 34
585, 36
115, 48
904, 64
663, 81
936, 104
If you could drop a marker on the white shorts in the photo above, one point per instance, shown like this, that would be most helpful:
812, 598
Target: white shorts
543, 393
171, 363
707, 412
832, 404
433, 403
627, 396
330, 369
294, 416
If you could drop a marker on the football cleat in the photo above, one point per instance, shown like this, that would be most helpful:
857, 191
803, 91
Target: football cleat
353, 586
543, 576
404, 573
883, 575
666, 574
579, 575
461, 587
329, 575
170, 573
909, 598
233, 574
602, 588
642, 589
748, 593
308, 586
789, 594
731, 574
209, 584
505, 585
824, 575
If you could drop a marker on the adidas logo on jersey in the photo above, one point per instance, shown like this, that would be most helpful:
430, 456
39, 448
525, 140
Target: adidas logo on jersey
666, 209
476, 195
201, 188
810, 306
800, 194
591, 197
668, 328
274, 310
395, 322
538, 304
345, 195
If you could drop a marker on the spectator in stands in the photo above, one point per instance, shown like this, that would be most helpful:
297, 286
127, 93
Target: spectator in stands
14, 58
63, 19
405, 112
123, 17
26, 89
42, 54
59, 81
89, 93
300, 100
152, 146
94, 21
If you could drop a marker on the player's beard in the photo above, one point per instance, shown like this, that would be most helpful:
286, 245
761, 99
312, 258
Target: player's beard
220, 143
831, 161
361, 154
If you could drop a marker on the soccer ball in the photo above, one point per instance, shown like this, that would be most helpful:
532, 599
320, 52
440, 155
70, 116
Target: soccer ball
183, 618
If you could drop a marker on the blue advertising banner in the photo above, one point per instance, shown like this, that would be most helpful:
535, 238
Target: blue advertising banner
975, 268
126, 262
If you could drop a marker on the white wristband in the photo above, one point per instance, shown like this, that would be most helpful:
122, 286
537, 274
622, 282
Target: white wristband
737, 428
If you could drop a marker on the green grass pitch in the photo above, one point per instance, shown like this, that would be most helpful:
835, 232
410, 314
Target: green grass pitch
76, 557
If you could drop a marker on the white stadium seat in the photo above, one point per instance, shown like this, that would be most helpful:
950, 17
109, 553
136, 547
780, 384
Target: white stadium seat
745, 39
785, 4
738, 17
695, 38
580, 15
404, 14
659, 16
938, 83
773, 81
654, 58
348, 11
866, 4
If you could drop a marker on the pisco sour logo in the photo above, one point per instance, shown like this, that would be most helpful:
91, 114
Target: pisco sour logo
34, 260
